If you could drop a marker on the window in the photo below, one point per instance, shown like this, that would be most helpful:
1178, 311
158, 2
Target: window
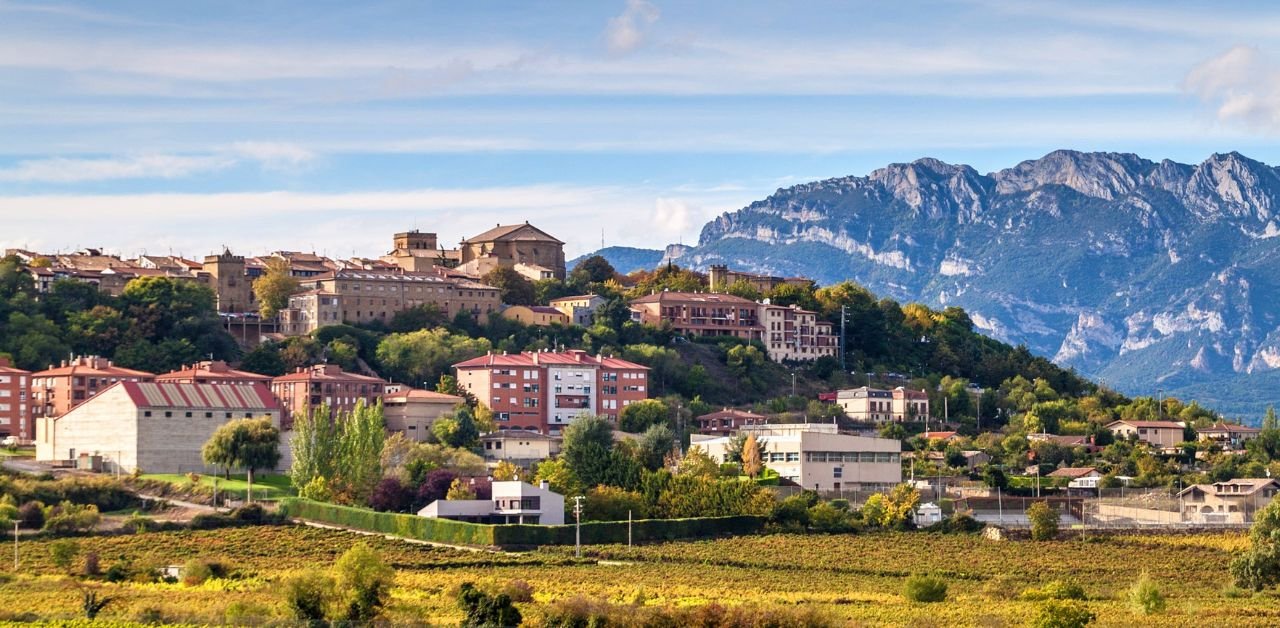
146, 413
168, 414
208, 415
837, 472
188, 415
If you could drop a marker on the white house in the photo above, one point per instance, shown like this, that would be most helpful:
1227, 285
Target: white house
513, 502
928, 514
815, 456
1079, 477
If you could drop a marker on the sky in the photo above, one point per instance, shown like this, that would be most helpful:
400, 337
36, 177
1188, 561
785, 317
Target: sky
322, 126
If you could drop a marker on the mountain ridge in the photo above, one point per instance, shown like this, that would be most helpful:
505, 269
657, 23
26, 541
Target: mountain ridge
1145, 274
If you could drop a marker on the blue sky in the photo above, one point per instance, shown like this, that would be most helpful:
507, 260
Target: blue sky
326, 126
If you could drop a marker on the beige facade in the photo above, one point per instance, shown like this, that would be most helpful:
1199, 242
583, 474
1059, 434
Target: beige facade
816, 457
413, 412
522, 447
158, 428
875, 405
788, 333
539, 315
720, 277
359, 296
232, 288
1159, 434
1233, 501
795, 335
511, 245
580, 309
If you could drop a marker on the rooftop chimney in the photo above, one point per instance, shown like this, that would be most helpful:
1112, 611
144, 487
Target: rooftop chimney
544, 485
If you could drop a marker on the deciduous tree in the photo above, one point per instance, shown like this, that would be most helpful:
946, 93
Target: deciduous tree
248, 444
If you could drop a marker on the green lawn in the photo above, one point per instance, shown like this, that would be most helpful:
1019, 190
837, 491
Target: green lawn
19, 452
265, 486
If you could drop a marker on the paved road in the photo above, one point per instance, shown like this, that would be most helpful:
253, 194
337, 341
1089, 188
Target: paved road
25, 465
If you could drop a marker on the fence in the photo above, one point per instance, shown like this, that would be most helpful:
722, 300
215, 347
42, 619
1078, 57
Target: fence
515, 535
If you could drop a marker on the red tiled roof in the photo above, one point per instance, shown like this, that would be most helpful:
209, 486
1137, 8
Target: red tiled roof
212, 370
1072, 472
326, 372
1230, 427
545, 358
732, 413
108, 370
1170, 425
701, 297
213, 396
424, 395
504, 232
939, 435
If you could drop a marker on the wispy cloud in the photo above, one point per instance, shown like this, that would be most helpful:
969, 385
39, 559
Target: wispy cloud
1242, 84
627, 31
269, 155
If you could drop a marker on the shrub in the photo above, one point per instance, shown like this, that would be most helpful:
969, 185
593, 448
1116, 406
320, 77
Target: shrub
308, 595
68, 517
117, 572
1064, 614
827, 518
1055, 590
64, 553
1145, 596
1044, 521
484, 610
31, 515
92, 565
195, 572
391, 496
364, 581
519, 591
922, 588
1000, 587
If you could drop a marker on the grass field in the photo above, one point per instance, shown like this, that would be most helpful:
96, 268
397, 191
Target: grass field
853, 580
266, 486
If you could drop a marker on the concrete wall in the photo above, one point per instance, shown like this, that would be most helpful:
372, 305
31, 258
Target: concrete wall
107, 426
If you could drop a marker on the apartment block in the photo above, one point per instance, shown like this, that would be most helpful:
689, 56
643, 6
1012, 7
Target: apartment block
876, 405
581, 309
788, 333
359, 296
15, 401
324, 384
213, 372
544, 391
818, 457
58, 389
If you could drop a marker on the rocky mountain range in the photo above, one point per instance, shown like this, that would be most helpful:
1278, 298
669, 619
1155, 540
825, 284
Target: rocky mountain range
1146, 275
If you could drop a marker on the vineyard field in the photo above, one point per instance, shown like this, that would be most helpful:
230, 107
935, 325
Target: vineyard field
850, 579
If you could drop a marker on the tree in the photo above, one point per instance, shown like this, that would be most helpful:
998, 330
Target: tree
425, 355
639, 416
593, 270
364, 582
1064, 614
274, 287
513, 287
654, 445
506, 471
559, 476
1044, 521
1259, 566
64, 552
486, 611
751, 464
587, 443
247, 444
610, 503
359, 463
1145, 596
315, 446
460, 491
458, 430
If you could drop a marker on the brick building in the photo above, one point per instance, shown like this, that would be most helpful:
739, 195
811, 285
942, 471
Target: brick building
788, 333
728, 421
213, 372
56, 390
544, 391
15, 401
360, 296
324, 384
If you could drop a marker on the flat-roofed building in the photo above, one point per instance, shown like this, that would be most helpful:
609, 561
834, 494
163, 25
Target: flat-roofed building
15, 401
521, 447
513, 502
158, 428
412, 412
816, 457
866, 404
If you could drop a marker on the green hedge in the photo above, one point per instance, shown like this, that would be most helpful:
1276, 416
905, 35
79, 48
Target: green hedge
513, 535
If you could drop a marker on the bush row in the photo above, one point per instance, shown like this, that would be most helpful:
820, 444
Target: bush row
514, 535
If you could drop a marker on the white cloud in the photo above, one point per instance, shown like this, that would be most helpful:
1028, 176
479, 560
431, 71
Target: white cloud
671, 216
1243, 85
72, 170
627, 31
268, 155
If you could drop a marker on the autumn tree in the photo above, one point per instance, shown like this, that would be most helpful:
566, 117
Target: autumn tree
751, 464
274, 287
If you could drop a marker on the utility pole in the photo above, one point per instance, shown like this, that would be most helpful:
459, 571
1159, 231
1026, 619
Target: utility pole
577, 525
793, 383
15, 547
628, 527
843, 349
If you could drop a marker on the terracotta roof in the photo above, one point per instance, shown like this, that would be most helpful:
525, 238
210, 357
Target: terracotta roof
547, 358
504, 232
7, 367
699, 297
212, 370
938, 435
580, 297
423, 395
94, 367
1072, 472
1170, 425
326, 372
204, 396
732, 413
1230, 427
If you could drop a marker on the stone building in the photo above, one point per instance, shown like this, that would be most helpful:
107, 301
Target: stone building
158, 428
525, 248
230, 284
360, 296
